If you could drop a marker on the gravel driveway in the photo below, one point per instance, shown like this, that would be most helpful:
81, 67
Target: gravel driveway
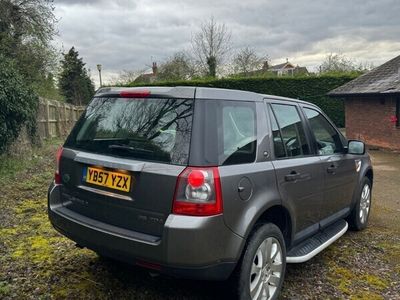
38, 263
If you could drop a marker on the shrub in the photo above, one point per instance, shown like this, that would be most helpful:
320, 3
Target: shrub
18, 104
310, 88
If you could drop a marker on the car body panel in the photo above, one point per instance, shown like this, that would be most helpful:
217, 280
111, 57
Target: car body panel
172, 249
304, 195
151, 193
339, 185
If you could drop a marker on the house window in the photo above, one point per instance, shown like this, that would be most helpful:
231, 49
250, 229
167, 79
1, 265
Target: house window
398, 112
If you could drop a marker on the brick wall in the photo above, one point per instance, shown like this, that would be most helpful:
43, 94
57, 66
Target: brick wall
368, 119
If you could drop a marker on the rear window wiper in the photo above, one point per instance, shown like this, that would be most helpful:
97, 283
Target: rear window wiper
130, 148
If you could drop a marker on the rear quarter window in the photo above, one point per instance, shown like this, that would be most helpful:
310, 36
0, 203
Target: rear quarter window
224, 133
239, 133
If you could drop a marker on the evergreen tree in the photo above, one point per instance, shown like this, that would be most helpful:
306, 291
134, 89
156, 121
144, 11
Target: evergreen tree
74, 82
18, 104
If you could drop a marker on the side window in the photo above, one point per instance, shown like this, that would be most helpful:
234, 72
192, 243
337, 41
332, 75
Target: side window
239, 133
328, 139
291, 131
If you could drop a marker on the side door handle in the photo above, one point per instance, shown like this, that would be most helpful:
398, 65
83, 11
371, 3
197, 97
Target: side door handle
332, 169
293, 176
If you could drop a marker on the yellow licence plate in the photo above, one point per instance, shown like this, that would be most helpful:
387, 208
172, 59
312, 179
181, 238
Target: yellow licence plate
112, 180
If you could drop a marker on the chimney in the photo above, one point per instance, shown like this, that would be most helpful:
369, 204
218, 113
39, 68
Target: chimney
265, 65
154, 67
287, 60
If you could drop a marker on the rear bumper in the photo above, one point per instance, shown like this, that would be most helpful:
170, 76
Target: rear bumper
190, 247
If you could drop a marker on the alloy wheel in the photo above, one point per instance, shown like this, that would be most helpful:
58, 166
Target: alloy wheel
266, 270
365, 203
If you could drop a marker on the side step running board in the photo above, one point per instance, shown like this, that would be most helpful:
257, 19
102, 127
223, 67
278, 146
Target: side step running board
315, 244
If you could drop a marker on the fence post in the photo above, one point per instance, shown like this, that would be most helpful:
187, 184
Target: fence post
47, 119
58, 119
66, 128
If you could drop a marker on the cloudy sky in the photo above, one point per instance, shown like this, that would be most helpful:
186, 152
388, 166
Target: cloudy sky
129, 34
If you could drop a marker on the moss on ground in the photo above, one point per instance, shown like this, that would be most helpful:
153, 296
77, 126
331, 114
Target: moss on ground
4, 289
376, 282
342, 277
361, 273
366, 295
350, 281
35, 243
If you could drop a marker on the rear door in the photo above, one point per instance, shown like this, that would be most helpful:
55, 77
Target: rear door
121, 161
339, 170
298, 171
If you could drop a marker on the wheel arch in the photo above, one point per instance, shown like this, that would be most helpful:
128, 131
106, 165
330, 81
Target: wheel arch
369, 173
278, 215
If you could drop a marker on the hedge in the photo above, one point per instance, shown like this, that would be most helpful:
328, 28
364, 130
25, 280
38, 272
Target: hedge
310, 88
18, 104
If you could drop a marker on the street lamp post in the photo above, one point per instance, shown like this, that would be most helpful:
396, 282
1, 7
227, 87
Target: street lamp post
99, 68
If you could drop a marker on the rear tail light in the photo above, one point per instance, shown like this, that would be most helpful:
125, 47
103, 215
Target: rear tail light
198, 192
57, 176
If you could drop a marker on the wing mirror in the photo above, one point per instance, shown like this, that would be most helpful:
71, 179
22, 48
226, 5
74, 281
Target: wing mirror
355, 147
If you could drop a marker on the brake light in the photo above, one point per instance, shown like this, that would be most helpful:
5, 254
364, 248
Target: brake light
198, 192
135, 94
196, 178
57, 176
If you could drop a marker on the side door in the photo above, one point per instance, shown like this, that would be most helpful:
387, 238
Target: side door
298, 171
339, 168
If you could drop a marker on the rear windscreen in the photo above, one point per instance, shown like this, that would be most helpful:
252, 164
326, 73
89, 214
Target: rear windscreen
144, 128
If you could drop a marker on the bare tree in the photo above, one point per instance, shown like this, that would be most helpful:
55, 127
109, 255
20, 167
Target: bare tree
246, 60
128, 76
365, 66
125, 77
339, 63
177, 67
211, 45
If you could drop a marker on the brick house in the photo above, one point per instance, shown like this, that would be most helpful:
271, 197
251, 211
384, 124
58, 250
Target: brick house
283, 69
372, 106
287, 68
149, 76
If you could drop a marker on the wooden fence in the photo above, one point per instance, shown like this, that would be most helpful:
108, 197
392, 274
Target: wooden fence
56, 119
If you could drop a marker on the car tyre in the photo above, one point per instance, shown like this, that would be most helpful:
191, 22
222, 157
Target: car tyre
261, 270
358, 219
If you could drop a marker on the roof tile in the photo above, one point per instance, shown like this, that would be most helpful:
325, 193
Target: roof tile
381, 80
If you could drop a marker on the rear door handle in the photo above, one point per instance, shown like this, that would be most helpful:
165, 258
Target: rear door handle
293, 176
332, 169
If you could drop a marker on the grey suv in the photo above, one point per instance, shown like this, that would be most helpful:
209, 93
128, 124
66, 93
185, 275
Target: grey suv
208, 183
